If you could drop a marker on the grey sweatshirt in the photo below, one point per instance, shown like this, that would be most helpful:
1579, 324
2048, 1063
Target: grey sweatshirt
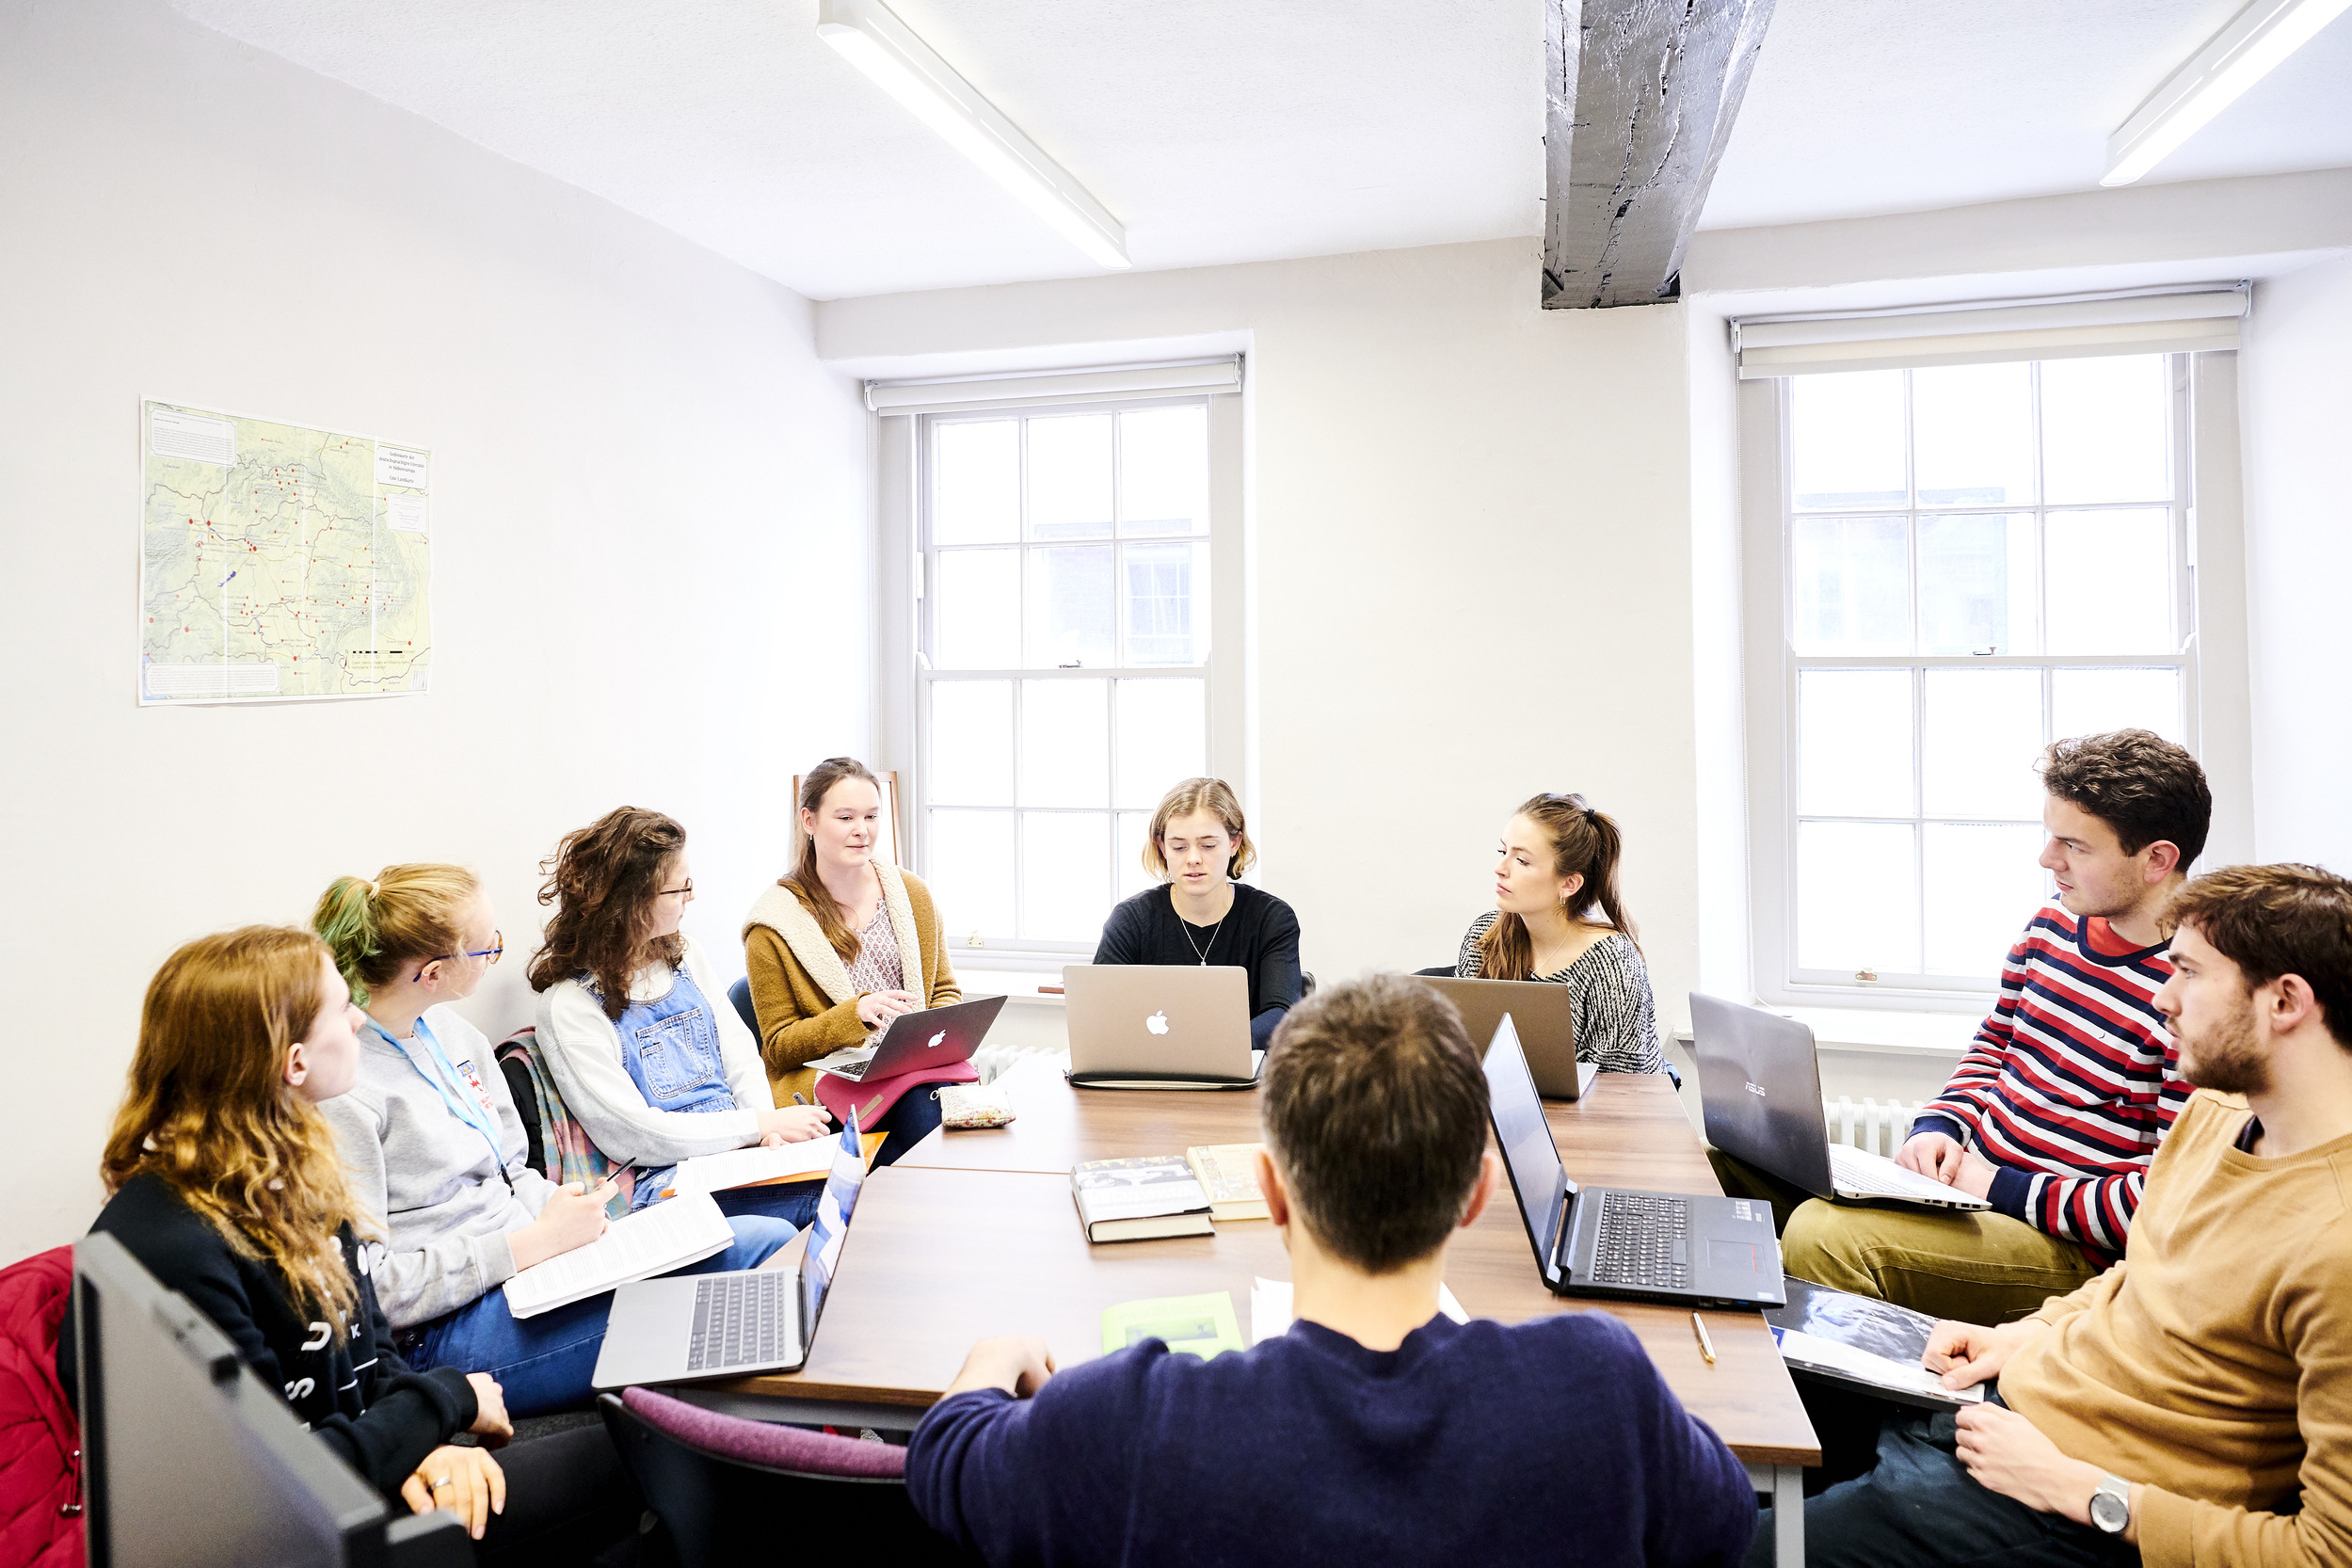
425, 1176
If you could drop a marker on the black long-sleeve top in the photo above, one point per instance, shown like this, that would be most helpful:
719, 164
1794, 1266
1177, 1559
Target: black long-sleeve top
1259, 932
355, 1393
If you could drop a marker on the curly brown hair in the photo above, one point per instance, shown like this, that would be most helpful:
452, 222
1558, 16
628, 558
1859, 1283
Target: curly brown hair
2136, 782
602, 880
2273, 921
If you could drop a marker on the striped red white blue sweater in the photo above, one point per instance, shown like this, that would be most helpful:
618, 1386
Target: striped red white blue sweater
2070, 1084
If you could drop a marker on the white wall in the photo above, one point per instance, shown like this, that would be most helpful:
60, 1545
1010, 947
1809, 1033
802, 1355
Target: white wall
648, 529
1472, 521
2295, 398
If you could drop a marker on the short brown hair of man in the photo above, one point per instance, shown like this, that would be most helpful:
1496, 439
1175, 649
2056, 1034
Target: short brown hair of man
2138, 783
1373, 1102
2273, 921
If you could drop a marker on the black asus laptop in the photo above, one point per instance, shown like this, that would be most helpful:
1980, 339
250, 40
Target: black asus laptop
1675, 1247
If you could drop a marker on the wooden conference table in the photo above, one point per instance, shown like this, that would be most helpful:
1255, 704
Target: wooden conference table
973, 1234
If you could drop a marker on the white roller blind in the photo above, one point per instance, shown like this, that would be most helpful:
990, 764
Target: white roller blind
2166, 321
1111, 383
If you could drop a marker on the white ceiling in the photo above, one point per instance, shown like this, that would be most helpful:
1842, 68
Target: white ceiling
1236, 130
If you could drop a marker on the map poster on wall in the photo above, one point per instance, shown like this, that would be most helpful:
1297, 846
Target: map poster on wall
277, 562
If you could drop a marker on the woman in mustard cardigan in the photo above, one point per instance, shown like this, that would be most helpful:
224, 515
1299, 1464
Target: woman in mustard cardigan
841, 946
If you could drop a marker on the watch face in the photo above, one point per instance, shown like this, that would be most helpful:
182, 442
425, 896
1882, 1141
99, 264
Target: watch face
2109, 1512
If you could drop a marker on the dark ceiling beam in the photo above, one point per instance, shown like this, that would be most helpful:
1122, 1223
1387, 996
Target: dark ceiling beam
1639, 96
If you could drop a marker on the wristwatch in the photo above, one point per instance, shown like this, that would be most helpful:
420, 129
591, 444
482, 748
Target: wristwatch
2111, 1505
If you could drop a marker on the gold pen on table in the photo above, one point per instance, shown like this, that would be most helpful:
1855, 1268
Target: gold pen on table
1706, 1346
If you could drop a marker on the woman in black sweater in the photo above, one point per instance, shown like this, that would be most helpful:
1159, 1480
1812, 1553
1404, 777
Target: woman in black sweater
228, 1188
1197, 845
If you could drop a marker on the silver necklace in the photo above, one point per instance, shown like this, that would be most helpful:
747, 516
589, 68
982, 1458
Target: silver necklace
1198, 952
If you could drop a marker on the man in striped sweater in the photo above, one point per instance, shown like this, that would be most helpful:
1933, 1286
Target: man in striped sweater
2056, 1109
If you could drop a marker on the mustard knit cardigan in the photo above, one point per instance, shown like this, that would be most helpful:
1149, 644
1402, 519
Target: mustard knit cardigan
800, 987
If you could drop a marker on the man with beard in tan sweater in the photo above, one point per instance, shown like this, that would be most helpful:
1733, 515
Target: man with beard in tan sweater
2192, 1404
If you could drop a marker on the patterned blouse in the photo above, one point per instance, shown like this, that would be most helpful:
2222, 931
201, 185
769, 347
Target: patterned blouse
877, 967
1608, 997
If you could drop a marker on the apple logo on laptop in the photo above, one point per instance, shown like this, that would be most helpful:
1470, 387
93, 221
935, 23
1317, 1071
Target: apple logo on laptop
935, 1039
1157, 1023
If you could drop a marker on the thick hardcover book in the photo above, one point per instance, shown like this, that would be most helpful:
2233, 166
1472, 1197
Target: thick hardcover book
1861, 1342
1228, 1174
1135, 1200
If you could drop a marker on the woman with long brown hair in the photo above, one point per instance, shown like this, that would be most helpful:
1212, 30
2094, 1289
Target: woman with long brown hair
1557, 917
842, 944
227, 1184
634, 1022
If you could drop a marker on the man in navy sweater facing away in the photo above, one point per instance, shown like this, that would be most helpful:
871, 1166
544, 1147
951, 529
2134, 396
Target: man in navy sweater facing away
1377, 1431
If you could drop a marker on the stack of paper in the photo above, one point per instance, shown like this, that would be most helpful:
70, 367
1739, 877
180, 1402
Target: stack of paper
1814, 1353
653, 1241
1271, 1315
717, 1172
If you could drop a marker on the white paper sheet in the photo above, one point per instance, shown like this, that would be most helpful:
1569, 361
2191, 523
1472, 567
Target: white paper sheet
653, 1241
1828, 1355
715, 1173
1271, 1315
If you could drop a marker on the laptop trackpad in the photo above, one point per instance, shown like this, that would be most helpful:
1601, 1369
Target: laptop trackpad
1746, 1258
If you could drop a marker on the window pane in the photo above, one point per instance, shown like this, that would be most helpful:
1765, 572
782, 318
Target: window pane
976, 482
1983, 885
2111, 582
2092, 702
971, 743
1976, 585
1065, 875
1133, 878
1845, 447
1857, 897
1167, 604
1854, 744
973, 623
1163, 471
1065, 743
1853, 587
1978, 738
1162, 737
2105, 429
1070, 610
1069, 477
1973, 435
971, 873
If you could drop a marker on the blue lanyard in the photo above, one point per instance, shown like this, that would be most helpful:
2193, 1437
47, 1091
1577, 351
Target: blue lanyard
461, 1105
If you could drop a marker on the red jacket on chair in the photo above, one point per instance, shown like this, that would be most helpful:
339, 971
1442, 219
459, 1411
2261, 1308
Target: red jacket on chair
40, 1442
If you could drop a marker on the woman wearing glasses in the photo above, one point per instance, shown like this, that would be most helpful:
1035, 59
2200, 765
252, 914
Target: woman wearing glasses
635, 1026
1556, 917
436, 1152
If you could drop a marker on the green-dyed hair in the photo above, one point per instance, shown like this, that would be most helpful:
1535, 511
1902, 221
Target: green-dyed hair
406, 914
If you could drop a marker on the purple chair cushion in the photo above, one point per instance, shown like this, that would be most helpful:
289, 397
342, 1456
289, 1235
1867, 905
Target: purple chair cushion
764, 1443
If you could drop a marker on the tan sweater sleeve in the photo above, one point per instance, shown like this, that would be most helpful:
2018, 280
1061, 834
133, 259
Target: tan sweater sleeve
796, 1025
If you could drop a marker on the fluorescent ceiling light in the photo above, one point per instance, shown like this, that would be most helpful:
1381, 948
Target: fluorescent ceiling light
2233, 60
878, 44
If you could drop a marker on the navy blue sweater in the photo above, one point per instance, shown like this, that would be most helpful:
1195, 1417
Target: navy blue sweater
1548, 1442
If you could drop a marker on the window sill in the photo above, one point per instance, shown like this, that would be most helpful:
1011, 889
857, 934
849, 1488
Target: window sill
1888, 1032
1016, 985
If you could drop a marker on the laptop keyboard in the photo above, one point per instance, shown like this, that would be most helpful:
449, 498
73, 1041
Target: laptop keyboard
1855, 1168
741, 1319
1642, 1242
852, 1069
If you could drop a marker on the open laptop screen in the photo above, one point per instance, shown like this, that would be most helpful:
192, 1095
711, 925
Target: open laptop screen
1532, 1159
830, 1228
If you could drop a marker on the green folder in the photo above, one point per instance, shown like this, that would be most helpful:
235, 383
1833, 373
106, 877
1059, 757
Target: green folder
1197, 1325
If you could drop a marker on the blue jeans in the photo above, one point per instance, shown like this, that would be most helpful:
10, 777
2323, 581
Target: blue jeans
544, 1363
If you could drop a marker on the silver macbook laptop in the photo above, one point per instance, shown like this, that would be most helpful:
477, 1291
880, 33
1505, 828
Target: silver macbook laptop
1542, 1016
748, 1321
1760, 1089
934, 1037
1153, 1026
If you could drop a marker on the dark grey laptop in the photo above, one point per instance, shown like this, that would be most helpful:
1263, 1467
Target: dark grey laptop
934, 1038
1678, 1247
1541, 1012
687, 1326
1760, 1092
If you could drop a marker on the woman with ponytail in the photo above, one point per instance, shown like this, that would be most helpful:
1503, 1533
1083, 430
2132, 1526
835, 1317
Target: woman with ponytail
1556, 917
437, 1153
226, 1183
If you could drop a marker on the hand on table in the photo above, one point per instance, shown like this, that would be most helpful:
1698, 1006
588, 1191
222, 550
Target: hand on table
876, 1009
792, 1124
466, 1481
1968, 1353
2007, 1454
1019, 1365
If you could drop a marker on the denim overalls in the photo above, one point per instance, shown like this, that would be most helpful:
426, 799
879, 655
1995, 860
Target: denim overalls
671, 1048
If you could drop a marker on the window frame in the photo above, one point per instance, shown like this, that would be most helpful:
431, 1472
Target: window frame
2204, 450
907, 567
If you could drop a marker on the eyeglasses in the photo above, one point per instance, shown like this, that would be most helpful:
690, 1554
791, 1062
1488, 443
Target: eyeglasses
496, 950
672, 893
